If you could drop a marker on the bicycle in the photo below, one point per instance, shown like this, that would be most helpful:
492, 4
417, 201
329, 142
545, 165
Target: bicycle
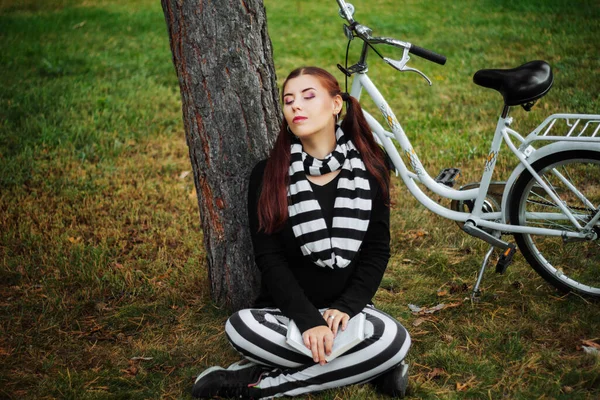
551, 201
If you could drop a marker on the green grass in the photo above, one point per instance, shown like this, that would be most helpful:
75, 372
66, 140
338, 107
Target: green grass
101, 258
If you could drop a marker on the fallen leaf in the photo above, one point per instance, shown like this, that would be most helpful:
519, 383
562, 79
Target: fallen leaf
433, 309
418, 321
590, 343
415, 234
430, 310
436, 373
131, 371
414, 308
99, 389
90, 383
453, 305
456, 288
184, 174
567, 389
517, 285
591, 350
447, 338
461, 387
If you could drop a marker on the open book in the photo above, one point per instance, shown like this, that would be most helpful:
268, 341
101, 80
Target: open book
344, 341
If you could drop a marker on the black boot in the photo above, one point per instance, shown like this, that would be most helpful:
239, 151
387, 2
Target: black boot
238, 381
394, 382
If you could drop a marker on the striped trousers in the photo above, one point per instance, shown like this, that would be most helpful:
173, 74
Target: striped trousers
259, 335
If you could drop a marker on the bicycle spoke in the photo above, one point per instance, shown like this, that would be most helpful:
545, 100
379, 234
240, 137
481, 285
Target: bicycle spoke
573, 264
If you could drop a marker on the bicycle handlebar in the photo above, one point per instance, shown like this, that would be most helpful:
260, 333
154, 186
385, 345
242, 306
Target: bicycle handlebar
427, 54
364, 33
412, 48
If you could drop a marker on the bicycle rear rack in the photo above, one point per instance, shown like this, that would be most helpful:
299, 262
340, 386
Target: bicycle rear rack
566, 127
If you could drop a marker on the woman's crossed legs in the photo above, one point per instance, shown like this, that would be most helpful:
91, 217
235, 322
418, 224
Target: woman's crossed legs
260, 336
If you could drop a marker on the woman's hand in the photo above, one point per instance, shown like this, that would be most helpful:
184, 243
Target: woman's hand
334, 318
319, 340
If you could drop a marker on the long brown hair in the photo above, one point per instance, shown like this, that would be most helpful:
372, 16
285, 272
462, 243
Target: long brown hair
273, 202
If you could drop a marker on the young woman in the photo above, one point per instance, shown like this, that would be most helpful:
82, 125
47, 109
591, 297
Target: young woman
319, 217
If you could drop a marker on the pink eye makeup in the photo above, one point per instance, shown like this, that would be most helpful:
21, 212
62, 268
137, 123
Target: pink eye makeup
308, 93
289, 101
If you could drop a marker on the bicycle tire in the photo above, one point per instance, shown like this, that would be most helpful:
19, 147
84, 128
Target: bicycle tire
568, 265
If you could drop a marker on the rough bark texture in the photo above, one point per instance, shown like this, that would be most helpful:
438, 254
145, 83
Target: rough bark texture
223, 57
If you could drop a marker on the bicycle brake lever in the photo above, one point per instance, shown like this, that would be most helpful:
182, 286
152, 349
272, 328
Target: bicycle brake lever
420, 73
401, 66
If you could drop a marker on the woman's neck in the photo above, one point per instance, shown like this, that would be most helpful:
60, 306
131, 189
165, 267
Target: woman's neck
320, 145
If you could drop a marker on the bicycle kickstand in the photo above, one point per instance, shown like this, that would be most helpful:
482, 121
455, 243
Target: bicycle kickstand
476, 293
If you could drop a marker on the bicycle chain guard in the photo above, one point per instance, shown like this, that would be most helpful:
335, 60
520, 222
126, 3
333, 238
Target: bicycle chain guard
492, 202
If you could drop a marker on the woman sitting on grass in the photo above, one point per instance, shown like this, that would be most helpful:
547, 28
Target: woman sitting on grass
319, 217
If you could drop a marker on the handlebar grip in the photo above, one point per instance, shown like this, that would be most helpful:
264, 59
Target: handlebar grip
427, 54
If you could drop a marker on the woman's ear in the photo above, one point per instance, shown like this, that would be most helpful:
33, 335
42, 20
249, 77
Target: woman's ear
337, 104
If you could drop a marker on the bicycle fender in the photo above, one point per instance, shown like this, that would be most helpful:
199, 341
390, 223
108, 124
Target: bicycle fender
538, 154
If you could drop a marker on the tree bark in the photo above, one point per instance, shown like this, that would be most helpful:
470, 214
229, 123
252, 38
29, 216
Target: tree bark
223, 57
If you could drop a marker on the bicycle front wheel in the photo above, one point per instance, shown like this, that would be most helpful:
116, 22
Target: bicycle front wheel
574, 177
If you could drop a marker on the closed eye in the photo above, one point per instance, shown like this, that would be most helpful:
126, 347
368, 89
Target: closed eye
289, 100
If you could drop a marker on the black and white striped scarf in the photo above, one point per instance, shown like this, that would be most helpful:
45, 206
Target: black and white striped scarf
352, 207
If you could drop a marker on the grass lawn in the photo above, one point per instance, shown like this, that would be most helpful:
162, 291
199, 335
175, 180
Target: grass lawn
103, 284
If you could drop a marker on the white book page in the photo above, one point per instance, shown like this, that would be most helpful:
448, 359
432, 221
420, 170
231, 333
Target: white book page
344, 341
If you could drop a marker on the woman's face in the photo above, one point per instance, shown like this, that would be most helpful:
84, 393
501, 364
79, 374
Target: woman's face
308, 107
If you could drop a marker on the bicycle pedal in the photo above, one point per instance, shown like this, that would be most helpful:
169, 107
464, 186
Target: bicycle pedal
447, 176
506, 258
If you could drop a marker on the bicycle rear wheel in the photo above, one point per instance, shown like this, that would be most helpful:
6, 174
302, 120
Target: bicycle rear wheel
567, 264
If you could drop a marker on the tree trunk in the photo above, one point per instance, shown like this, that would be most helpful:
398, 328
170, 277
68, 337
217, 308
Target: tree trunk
223, 57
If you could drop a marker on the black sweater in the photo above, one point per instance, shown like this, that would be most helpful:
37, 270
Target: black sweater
297, 286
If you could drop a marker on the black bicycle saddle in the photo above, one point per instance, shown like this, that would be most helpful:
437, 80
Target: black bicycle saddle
519, 85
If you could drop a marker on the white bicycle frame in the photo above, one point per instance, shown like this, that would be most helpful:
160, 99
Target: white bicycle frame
495, 221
